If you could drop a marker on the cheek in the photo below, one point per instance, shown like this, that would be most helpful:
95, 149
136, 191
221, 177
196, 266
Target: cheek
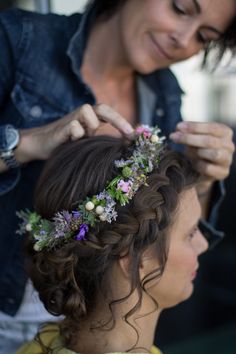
181, 260
176, 283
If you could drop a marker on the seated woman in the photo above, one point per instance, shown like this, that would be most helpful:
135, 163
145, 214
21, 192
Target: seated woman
115, 240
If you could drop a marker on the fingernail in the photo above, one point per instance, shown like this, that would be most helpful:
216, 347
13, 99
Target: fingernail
175, 136
128, 129
182, 126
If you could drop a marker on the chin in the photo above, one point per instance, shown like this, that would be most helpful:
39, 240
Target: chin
143, 64
146, 68
187, 293
181, 297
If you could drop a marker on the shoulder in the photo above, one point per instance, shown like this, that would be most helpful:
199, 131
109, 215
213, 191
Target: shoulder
10, 27
50, 338
155, 350
19, 26
18, 16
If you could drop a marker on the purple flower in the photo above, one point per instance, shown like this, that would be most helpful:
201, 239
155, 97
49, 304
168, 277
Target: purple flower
76, 214
82, 232
125, 186
66, 215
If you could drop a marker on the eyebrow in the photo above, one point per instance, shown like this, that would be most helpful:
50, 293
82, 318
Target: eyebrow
212, 29
199, 10
192, 228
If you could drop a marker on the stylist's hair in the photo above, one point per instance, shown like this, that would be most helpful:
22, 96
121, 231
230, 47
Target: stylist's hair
70, 278
106, 8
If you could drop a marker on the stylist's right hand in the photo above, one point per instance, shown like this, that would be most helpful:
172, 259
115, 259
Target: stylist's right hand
38, 143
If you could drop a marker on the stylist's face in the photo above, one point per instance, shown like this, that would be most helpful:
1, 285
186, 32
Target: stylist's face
157, 33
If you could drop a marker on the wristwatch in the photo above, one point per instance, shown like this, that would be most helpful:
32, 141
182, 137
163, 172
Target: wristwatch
9, 139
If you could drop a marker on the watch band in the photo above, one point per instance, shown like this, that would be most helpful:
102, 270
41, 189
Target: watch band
9, 159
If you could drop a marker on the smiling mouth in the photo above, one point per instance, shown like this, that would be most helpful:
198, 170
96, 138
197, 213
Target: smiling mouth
159, 48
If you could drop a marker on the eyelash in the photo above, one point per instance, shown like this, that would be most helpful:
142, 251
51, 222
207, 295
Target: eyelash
177, 9
180, 11
201, 39
193, 233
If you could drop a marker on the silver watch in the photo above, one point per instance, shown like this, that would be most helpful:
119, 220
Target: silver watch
9, 140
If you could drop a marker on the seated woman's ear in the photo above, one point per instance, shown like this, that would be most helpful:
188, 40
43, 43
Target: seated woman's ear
124, 264
148, 263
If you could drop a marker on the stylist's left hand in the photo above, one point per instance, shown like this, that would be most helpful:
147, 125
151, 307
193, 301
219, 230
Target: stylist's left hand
209, 146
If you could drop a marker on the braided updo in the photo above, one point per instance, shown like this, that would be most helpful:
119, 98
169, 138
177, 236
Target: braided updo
69, 279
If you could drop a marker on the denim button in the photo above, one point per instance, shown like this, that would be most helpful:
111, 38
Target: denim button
160, 112
11, 301
36, 111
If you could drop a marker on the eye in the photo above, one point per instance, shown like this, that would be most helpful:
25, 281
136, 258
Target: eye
178, 9
193, 233
202, 39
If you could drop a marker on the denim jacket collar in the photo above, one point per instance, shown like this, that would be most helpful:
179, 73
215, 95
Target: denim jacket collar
78, 42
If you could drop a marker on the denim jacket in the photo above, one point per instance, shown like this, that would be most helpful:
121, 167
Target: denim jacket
40, 82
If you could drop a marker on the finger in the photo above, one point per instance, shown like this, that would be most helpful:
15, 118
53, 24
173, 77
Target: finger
76, 131
212, 171
208, 128
201, 141
218, 156
73, 130
87, 117
109, 115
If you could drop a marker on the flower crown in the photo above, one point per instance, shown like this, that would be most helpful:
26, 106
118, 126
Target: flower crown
66, 226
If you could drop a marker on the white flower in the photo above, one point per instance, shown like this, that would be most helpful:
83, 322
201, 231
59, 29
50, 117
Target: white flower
37, 247
89, 206
99, 210
28, 227
154, 138
103, 217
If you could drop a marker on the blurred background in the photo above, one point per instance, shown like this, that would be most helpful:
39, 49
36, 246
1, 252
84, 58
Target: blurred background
206, 323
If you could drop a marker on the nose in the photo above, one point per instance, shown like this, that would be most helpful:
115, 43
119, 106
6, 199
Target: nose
202, 244
183, 38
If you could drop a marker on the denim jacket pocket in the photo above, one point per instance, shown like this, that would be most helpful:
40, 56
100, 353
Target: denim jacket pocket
34, 107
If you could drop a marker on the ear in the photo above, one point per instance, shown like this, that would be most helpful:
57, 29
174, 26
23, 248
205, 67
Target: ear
124, 264
148, 262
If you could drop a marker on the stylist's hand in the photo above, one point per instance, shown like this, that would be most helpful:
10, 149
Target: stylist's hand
210, 147
38, 143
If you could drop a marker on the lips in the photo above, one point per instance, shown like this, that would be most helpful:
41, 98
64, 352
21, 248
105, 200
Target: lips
194, 274
159, 49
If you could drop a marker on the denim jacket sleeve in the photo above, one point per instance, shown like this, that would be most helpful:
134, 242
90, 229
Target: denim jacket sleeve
10, 35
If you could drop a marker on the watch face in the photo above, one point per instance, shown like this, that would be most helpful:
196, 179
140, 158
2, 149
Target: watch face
10, 138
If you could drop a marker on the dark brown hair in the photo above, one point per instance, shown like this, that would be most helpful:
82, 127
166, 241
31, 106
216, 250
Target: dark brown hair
106, 8
69, 279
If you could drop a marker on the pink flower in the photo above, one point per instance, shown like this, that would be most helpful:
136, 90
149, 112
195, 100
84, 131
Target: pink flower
125, 186
143, 130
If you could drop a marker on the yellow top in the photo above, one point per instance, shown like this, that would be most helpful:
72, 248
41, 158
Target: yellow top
50, 338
